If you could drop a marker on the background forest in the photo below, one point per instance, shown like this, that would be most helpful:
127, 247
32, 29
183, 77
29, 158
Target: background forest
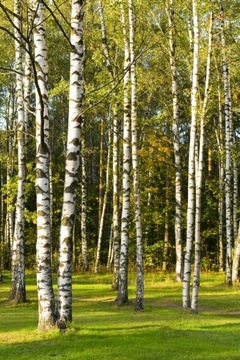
159, 136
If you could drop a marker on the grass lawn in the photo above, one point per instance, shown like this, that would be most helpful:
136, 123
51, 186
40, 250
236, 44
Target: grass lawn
103, 331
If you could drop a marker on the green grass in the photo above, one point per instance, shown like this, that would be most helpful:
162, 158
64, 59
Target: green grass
103, 331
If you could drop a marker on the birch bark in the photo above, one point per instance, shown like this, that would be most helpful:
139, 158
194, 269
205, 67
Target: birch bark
176, 144
134, 138
103, 210
84, 206
115, 160
122, 296
71, 165
18, 291
221, 171
46, 319
228, 174
115, 164
199, 177
191, 162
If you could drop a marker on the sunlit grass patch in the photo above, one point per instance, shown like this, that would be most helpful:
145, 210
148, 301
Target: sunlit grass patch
103, 331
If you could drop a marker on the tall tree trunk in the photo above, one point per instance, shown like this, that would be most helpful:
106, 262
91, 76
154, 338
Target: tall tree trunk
115, 161
228, 163
100, 189
176, 144
122, 296
84, 206
18, 291
71, 165
199, 176
166, 221
136, 187
46, 319
103, 210
221, 173
191, 162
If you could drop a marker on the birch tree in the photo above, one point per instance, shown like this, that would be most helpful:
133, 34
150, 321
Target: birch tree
46, 309
191, 161
134, 138
115, 162
115, 203
104, 205
84, 204
176, 142
71, 165
122, 296
18, 291
199, 178
221, 171
228, 164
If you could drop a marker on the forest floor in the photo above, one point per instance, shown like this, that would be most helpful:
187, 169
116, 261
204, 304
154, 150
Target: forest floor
103, 331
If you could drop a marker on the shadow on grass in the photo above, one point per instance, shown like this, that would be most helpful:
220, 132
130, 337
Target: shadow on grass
121, 343
103, 331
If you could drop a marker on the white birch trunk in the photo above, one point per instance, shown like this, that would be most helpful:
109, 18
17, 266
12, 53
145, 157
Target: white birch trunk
199, 176
122, 296
46, 319
71, 165
105, 199
166, 222
115, 161
136, 188
84, 207
221, 171
236, 258
176, 145
228, 175
191, 162
115, 164
100, 188
18, 292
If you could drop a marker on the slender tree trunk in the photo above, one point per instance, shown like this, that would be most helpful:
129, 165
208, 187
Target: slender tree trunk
9, 221
176, 144
71, 165
136, 187
191, 162
46, 319
103, 211
122, 297
166, 225
228, 163
236, 259
84, 207
199, 176
221, 172
115, 165
110, 250
18, 291
115, 161
100, 190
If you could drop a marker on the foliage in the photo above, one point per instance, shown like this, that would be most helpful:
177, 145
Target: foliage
154, 106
